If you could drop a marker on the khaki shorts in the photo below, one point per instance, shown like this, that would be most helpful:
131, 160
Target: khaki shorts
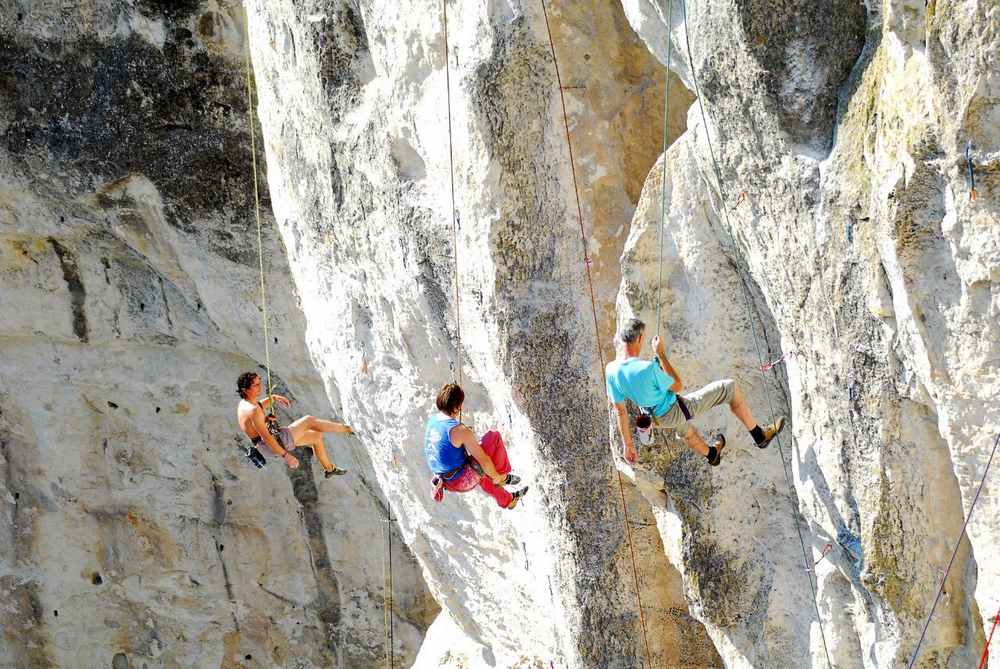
698, 402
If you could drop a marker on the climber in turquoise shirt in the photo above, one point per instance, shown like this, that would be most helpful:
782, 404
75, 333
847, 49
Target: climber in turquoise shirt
655, 387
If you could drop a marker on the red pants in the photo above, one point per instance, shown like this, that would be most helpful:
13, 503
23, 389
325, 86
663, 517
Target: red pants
492, 443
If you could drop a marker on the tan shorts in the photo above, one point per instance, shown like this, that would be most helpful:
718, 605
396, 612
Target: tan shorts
698, 402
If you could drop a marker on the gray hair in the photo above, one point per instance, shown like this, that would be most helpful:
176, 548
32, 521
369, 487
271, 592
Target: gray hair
631, 331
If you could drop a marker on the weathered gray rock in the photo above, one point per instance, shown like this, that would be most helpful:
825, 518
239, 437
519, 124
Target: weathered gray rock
874, 275
133, 530
353, 103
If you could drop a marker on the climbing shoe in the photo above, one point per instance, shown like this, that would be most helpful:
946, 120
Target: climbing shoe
512, 479
770, 431
336, 471
715, 450
516, 497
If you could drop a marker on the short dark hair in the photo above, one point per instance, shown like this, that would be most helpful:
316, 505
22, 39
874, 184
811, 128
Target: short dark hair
630, 332
450, 398
244, 382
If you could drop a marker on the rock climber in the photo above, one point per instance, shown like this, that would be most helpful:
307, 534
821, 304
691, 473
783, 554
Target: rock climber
655, 387
459, 461
306, 431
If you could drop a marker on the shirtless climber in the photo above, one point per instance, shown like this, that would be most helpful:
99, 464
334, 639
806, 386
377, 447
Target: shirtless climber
306, 431
654, 386
459, 461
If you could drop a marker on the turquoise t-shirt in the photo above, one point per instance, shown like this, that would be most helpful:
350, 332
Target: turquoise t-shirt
641, 381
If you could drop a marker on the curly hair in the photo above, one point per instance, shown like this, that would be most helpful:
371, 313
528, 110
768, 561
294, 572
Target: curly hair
244, 382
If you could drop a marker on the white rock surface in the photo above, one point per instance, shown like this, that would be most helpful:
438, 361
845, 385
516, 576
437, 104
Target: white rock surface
353, 103
128, 275
875, 274
132, 530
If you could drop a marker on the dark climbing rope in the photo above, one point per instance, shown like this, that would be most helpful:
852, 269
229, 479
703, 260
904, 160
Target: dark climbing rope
387, 591
597, 331
961, 535
972, 171
746, 298
663, 178
454, 218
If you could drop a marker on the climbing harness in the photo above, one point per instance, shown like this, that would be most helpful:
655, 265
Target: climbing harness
972, 172
958, 543
462, 478
986, 648
746, 298
593, 307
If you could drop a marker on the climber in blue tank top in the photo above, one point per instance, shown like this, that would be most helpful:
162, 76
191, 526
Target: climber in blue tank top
459, 461
441, 456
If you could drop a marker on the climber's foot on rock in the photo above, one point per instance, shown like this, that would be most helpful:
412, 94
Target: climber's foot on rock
516, 497
336, 471
771, 431
715, 450
512, 479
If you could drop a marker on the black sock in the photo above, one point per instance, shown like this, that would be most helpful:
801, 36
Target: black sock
758, 434
713, 453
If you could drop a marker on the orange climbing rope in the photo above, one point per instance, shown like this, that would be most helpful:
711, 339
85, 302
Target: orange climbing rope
593, 307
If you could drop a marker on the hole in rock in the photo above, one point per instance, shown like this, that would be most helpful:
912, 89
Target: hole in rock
55, 613
221, 547
157, 409
17, 496
112, 404
248, 657
142, 306
96, 579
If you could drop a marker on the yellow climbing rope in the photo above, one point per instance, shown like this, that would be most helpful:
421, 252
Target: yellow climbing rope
256, 198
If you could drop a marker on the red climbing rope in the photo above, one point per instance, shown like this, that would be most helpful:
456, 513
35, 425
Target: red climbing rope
593, 308
986, 648
958, 544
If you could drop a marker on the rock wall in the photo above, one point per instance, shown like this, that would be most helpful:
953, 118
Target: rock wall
134, 533
354, 107
872, 272
837, 234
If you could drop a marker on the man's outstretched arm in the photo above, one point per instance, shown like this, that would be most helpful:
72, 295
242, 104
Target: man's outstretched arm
626, 431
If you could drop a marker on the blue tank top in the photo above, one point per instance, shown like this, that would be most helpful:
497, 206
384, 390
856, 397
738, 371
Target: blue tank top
441, 456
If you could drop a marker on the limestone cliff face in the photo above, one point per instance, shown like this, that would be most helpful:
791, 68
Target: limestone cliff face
871, 270
132, 530
844, 127
841, 239
353, 103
